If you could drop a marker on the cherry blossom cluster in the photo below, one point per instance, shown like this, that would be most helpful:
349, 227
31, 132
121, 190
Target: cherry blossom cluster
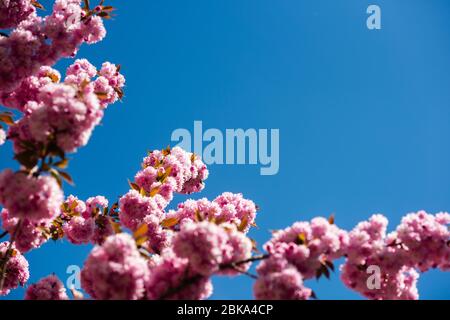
41, 41
48, 288
419, 243
163, 173
12, 12
84, 222
64, 113
302, 251
15, 268
28, 197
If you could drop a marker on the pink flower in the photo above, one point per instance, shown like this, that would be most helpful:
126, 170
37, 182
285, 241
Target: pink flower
394, 284
376, 258
27, 197
103, 229
12, 12
174, 170
115, 270
172, 279
158, 238
17, 273
227, 208
238, 248
237, 210
308, 245
38, 42
30, 88
49, 288
284, 285
79, 230
29, 236
97, 203
135, 207
427, 239
74, 206
203, 244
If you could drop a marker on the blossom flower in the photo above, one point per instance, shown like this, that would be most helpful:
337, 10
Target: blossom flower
227, 208
96, 203
394, 284
29, 236
29, 88
284, 285
172, 279
48, 288
16, 273
369, 246
158, 237
238, 248
174, 170
38, 41
115, 270
12, 12
134, 208
103, 229
80, 230
427, 239
237, 210
62, 114
308, 245
73, 205
203, 244
27, 197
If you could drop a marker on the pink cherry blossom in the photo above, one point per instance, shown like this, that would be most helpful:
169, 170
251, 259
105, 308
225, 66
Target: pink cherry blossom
284, 285
172, 279
134, 208
427, 239
48, 288
115, 270
203, 244
27, 197
12, 12
17, 273
80, 230
38, 41
308, 245
29, 236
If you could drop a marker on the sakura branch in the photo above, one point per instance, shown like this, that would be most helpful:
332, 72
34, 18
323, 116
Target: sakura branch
145, 248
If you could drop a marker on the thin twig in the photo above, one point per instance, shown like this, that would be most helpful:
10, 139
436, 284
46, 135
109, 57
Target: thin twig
4, 234
244, 272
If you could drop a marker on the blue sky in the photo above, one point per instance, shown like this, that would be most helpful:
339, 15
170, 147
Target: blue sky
364, 116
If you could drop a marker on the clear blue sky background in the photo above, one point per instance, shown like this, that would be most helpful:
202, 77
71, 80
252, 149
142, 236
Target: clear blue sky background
363, 115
